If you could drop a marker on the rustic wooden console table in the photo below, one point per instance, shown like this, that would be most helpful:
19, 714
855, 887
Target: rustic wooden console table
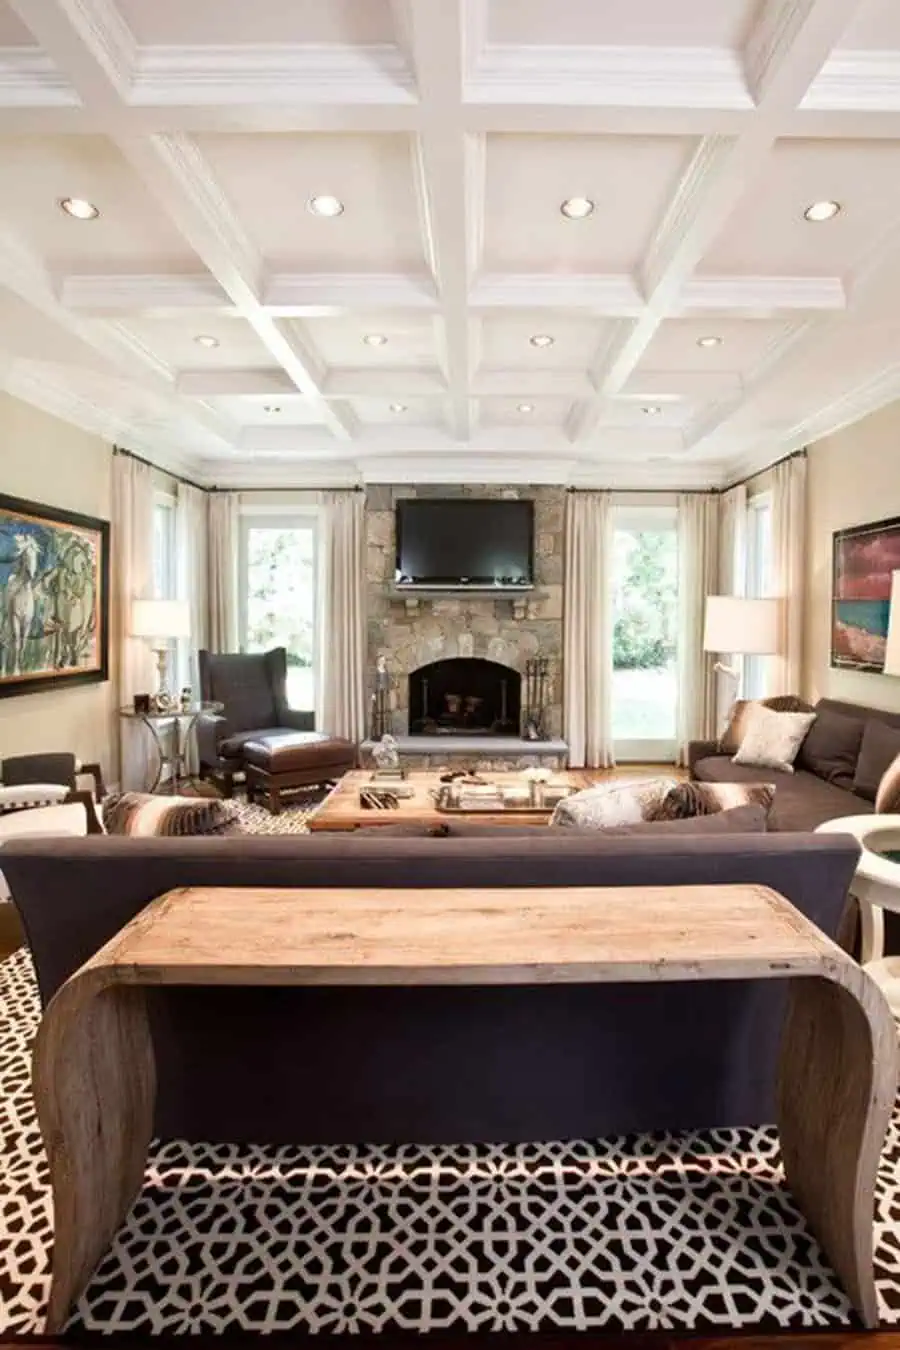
94, 1070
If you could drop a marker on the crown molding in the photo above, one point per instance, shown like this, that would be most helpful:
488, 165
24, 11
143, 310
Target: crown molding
599, 76
856, 82
315, 293
760, 295
29, 79
596, 293
271, 73
150, 293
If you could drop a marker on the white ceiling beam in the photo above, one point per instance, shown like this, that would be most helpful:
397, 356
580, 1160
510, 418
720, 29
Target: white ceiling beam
90, 45
314, 294
449, 171
152, 294
253, 383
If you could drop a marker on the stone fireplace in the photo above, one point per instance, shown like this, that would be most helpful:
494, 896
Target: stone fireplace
464, 695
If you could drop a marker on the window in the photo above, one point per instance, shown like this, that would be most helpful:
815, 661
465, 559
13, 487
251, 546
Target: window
758, 583
164, 548
277, 569
645, 605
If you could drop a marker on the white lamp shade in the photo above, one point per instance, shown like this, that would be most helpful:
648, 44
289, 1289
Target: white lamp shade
892, 647
161, 619
737, 624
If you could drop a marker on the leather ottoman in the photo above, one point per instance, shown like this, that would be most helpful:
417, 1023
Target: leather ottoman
293, 759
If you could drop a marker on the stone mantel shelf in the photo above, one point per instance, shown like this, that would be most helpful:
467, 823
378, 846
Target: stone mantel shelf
519, 596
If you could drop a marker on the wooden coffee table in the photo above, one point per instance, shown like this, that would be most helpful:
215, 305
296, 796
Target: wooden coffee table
94, 1067
341, 809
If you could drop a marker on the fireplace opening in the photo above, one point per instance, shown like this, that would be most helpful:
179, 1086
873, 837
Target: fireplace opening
464, 696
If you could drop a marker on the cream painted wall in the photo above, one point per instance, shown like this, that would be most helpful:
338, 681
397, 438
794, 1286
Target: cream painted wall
49, 461
854, 477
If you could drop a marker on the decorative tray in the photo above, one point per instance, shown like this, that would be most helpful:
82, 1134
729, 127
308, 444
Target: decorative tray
468, 800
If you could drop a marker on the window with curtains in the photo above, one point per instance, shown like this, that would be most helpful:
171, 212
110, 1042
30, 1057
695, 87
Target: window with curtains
645, 606
757, 582
277, 595
165, 559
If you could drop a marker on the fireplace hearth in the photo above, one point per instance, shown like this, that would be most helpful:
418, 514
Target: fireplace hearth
465, 696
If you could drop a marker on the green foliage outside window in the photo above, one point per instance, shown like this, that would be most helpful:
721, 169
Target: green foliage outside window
645, 606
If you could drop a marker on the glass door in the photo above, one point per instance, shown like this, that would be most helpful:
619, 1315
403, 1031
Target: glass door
277, 601
645, 618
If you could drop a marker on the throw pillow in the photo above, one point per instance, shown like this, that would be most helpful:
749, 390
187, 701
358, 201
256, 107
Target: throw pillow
750, 819
831, 748
139, 813
887, 798
773, 738
742, 712
615, 803
880, 747
685, 801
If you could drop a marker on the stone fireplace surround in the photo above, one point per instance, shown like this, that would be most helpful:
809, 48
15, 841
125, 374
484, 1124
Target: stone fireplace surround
414, 634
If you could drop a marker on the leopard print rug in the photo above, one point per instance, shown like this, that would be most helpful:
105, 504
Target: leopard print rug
681, 1232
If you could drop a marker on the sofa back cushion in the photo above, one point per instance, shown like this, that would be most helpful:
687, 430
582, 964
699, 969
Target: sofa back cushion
880, 747
831, 747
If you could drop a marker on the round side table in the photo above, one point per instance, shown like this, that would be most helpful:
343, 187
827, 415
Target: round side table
174, 755
876, 886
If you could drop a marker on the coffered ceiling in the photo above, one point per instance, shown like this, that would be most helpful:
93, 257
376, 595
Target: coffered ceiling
396, 339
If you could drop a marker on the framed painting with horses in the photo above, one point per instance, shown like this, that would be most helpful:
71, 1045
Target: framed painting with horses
54, 598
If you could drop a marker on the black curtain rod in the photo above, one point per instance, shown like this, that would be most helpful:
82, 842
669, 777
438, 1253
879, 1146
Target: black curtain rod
320, 487
179, 478
757, 473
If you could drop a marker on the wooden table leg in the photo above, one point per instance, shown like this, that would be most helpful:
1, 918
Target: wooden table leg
836, 1087
95, 1091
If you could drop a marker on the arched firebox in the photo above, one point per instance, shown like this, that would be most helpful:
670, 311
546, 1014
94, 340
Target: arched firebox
465, 696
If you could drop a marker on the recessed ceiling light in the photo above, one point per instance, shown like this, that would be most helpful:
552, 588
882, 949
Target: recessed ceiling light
822, 211
709, 341
526, 407
325, 206
206, 340
651, 409
79, 208
577, 208
375, 339
397, 407
271, 408
542, 340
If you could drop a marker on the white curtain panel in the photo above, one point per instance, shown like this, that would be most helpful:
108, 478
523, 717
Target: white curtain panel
732, 578
788, 559
192, 541
222, 571
134, 665
340, 693
587, 630
698, 577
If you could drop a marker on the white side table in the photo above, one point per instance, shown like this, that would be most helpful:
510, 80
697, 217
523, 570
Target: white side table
876, 886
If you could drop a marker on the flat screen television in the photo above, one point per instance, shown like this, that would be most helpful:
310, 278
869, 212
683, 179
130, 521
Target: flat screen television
461, 542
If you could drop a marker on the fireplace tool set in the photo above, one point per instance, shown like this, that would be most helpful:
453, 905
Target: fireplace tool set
536, 688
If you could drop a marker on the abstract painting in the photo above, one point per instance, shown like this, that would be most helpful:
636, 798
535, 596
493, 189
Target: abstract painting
54, 598
864, 559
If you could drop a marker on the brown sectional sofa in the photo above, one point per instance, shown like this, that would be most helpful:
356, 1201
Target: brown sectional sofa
437, 1064
837, 769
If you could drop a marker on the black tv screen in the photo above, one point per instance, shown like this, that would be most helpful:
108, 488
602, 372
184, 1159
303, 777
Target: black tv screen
464, 541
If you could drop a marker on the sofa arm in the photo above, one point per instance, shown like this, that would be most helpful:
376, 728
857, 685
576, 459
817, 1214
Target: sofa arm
209, 732
296, 720
698, 750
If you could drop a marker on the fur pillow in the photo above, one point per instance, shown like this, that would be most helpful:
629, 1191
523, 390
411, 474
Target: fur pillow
773, 739
615, 803
742, 712
685, 800
140, 813
887, 798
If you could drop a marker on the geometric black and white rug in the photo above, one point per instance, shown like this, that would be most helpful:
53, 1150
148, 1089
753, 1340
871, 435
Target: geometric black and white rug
645, 1232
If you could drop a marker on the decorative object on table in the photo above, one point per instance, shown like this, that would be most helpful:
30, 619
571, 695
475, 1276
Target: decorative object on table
864, 560
381, 713
386, 755
173, 752
536, 778
736, 625
536, 681
187, 697
371, 799
141, 813
161, 622
54, 598
773, 739
142, 703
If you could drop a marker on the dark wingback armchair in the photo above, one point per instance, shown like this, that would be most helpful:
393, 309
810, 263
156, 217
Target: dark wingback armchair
253, 688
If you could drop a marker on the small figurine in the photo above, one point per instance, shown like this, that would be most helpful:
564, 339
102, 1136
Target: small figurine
186, 698
387, 754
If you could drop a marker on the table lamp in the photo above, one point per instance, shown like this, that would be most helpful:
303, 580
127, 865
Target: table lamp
737, 625
160, 622
892, 645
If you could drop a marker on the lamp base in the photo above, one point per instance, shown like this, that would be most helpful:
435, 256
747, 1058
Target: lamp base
733, 674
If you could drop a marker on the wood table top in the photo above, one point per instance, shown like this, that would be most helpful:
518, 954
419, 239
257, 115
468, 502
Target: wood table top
222, 935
